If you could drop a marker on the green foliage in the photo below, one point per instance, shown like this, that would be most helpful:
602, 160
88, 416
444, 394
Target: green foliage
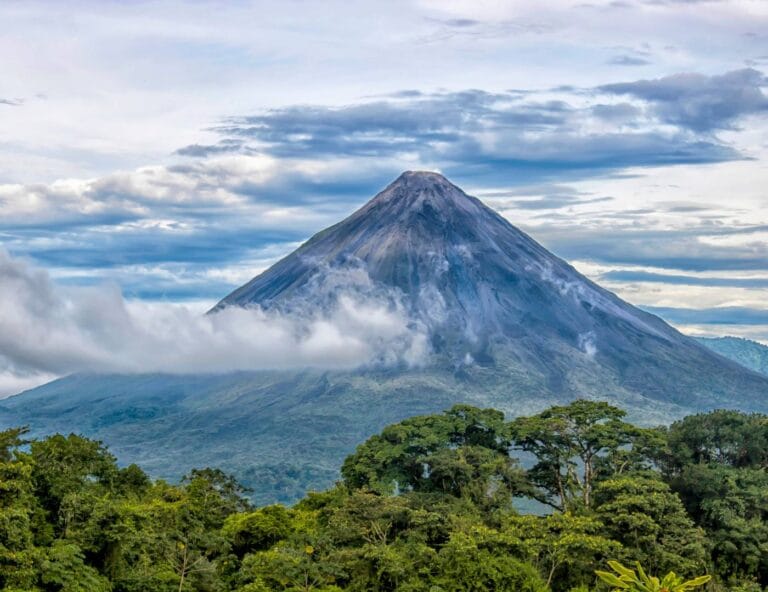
466, 564
425, 506
636, 580
18, 556
565, 438
70, 473
463, 452
649, 520
564, 547
64, 569
10, 441
729, 438
717, 463
257, 531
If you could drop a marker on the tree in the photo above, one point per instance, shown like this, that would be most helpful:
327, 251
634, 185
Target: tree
650, 522
717, 462
465, 565
186, 561
258, 530
69, 472
10, 441
18, 555
565, 439
730, 438
638, 581
288, 567
731, 504
65, 569
462, 452
213, 495
564, 547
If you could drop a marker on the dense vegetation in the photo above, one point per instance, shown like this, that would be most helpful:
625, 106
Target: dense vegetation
428, 505
748, 353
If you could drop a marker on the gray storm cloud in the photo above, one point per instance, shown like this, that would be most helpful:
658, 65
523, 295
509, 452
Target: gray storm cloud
48, 330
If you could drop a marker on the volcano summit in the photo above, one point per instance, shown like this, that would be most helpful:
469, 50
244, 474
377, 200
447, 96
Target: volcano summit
505, 323
492, 296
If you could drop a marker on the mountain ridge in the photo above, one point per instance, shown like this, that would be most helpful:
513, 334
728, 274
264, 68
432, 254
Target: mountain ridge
482, 288
748, 353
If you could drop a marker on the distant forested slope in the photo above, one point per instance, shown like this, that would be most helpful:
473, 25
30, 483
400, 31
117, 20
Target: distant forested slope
748, 353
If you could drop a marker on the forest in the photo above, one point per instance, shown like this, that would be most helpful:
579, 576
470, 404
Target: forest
574, 498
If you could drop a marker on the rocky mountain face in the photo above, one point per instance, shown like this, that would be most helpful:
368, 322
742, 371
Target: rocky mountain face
492, 296
507, 324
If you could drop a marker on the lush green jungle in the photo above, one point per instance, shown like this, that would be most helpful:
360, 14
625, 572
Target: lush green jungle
433, 503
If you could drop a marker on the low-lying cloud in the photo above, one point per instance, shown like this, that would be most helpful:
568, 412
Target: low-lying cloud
47, 330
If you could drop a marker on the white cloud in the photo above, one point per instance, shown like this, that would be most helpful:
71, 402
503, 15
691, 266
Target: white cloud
47, 330
110, 87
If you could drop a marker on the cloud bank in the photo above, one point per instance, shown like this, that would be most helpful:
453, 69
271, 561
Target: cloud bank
47, 331
536, 133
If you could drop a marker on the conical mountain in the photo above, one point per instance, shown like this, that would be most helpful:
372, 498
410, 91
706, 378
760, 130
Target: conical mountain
492, 295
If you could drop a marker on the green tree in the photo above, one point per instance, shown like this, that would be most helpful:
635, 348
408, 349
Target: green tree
568, 442
564, 547
69, 473
463, 452
638, 581
291, 568
18, 555
650, 522
717, 462
258, 530
731, 504
722, 437
10, 442
65, 570
465, 564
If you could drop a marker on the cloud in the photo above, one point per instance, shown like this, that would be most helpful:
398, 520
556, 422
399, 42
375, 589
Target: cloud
48, 330
185, 231
726, 315
699, 102
685, 280
474, 30
200, 151
474, 133
629, 60
698, 248
219, 212
258, 186
539, 197
621, 113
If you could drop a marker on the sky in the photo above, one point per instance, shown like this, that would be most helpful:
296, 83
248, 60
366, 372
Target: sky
169, 151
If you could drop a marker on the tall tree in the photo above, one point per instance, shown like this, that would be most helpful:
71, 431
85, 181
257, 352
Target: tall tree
649, 520
568, 442
718, 463
18, 555
462, 452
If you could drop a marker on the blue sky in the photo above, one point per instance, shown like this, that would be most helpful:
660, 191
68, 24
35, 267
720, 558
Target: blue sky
177, 149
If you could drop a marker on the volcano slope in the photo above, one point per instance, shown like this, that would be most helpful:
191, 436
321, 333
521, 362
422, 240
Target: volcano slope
505, 323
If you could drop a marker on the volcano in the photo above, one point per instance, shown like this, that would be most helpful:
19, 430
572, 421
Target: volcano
507, 325
492, 296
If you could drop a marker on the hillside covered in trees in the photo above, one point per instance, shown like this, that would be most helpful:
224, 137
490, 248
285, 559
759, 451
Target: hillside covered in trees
427, 505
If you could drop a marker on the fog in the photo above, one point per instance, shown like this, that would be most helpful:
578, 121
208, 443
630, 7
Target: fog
49, 330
